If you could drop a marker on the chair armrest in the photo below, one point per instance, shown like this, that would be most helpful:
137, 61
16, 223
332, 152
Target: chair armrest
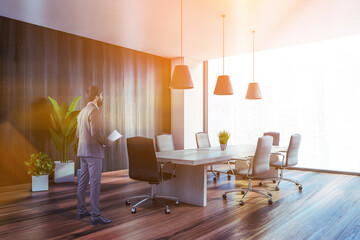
277, 153
242, 159
162, 166
249, 167
247, 160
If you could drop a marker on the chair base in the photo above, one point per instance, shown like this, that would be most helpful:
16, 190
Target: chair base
245, 191
217, 172
281, 178
153, 197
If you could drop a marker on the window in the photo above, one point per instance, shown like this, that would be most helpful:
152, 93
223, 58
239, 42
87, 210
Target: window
312, 89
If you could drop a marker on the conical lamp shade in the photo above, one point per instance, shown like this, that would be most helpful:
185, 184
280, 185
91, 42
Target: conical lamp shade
181, 78
223, 86
253, 91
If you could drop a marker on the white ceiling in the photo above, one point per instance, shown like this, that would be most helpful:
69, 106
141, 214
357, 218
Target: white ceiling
153, 26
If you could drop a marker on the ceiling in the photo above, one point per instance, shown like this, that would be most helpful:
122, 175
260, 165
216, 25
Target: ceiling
153, 26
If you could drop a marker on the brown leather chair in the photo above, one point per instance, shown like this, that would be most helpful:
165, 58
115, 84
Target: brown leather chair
290, 160
143, 166
260, 166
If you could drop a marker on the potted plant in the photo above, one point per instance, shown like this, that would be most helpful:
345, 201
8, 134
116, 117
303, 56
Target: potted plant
40, 165
223, 138
63, 131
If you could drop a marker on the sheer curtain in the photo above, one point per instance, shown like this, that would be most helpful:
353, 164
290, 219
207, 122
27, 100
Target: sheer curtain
311, 89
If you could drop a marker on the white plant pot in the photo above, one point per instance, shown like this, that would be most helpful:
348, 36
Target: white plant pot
223, 147
64, 172
40, 183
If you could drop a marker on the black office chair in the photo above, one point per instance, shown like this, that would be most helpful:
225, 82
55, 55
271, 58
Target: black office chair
260, 166
291, 160
143, 166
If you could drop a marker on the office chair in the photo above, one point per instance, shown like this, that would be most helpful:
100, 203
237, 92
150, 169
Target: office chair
273, 157
164, 142
202, 141
143, 166
260, 166
276, 137
291, 160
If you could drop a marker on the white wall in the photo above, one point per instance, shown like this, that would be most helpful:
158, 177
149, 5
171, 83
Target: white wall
193, 104
177, 111
187, 107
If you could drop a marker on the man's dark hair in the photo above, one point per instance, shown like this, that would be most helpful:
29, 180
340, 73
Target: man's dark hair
92, 92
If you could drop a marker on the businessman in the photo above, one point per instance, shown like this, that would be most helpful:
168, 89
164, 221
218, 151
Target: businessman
91, 153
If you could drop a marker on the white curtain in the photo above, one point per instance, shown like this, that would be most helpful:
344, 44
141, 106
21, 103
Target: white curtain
312, 89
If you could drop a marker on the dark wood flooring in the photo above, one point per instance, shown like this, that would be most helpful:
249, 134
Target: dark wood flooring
327, 208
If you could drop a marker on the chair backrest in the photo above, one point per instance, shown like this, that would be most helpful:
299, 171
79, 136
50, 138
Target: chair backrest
293, 150
142, 159
276, 137
261, 163
164, 142
202, 140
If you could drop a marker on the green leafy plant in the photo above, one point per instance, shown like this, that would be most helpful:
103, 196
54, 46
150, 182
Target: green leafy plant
39, 164
63, 126
223, 136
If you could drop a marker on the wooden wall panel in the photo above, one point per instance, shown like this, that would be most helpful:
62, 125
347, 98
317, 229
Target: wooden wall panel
37, 62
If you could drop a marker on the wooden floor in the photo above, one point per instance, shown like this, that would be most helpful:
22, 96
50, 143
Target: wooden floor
327, 208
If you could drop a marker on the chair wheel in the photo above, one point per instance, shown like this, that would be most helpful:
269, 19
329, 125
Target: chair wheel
277, 188
300, 188
224, 196
270, 194
167, 210
260, 184
214, 179
127, 202
270, 202
274, 181
241, 203
217, 174
133, 210
177, 203
229, 177
242, 192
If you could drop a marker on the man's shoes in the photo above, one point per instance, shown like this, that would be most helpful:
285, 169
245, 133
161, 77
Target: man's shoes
100, 220
82, 215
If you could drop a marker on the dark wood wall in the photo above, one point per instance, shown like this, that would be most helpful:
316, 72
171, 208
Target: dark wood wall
36, 62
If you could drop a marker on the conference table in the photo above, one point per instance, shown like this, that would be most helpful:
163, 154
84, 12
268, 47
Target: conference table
190, 184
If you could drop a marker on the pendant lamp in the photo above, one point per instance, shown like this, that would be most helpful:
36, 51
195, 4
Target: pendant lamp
181, 78
223, 84
253, 91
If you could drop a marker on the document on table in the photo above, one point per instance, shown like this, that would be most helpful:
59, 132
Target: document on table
115, 135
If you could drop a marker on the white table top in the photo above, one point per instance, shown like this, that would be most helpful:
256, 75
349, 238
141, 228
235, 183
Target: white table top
200, 156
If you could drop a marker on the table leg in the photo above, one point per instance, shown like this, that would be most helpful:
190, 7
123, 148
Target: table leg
190, 185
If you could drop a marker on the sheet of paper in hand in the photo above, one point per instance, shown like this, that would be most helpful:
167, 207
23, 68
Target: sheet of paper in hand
115, 135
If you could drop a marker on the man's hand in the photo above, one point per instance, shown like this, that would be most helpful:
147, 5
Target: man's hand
110, 143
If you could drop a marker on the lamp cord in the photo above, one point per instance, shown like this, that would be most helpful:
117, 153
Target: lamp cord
253, 56
182, 60
223, 16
